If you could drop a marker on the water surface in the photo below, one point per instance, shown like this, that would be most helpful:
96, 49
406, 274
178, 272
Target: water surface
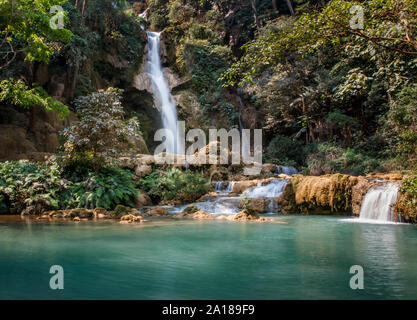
168, 259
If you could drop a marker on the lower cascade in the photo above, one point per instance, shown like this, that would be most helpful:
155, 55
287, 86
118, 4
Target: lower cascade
378, 203
271, 190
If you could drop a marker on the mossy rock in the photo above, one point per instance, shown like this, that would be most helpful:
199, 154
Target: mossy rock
120, 211
191, 209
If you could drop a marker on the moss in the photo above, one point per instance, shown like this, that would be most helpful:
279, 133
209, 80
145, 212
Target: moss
329, 193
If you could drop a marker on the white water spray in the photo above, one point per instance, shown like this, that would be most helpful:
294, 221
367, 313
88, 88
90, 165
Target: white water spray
271, 190
162, 94
378, 202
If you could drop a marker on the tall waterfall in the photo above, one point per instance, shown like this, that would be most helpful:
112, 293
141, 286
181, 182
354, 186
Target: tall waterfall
378, 202
162, 94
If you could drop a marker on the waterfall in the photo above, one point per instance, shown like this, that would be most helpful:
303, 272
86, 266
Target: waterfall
271, 190
162, 94
219, 186
378, 202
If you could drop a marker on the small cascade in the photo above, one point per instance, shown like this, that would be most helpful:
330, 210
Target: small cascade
288, 170
271, 190
162, 94
220, 205
378, 203
218, 186
224, 187
143, 15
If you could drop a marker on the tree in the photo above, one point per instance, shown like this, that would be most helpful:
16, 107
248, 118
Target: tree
101, 133
390, 25
25, 28
17, 93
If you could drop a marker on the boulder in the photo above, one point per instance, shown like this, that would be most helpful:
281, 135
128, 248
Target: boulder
190, 209
201, 215
158, 211
131, 218
80, 213
101, 213
245, 215
208, 196
198, 215
143, 170
119, 211
258, 205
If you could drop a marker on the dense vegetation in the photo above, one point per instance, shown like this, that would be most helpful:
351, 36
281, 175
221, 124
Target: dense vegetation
329, 97
34, 187
175, 184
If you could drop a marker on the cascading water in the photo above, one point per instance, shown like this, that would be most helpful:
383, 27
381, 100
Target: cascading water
219, 186
378, 202
288, 170
271, 190
162, 94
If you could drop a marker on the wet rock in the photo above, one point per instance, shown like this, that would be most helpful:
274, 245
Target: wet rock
76, 219
258, 205
56, 213
191, 209
80, 213
208, 196
119, 211
158, 211
101, 213
268, 168
246, 215
198, 215
201, 215
131, 218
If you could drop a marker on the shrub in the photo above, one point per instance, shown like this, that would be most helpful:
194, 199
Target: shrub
106, 189
175, 184
45, 186
24, 184
402, 125
407, 201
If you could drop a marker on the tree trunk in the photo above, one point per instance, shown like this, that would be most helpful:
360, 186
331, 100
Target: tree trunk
71, 81
274, 5
85, 5
255, 14
290, 7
